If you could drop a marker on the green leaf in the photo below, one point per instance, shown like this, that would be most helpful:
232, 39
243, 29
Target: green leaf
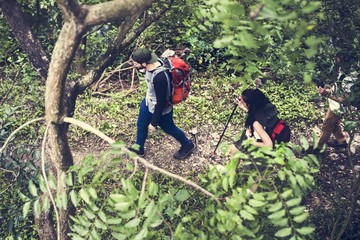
287, 193
283, 232
26, 209
315, 140
69, 180
153, 189
297, 210
275, 207
63, 179
225, 184
123, 206
81, 230
23, 197
112, 221
231, 181
52, 181
142, 234
293, 202
350, 126
118, 198
182, 195
301, 181
100, 224
250, 210
42, 184
84, 195
118, 236
102, 216
280, 221
128, 215
186, 219
83, 221
89, 214
258, 196
305, 230
93, 193
278, 214
311, 7
97, 177
32, 189
304, 142
75, 220
64, 200
133, 223
301, 218
156, 223
37, 208
74, 198
150, 209
256, 203
95, 234
281, 175
46, 204
246, 215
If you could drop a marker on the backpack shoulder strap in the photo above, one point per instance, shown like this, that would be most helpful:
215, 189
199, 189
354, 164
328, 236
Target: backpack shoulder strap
168, 78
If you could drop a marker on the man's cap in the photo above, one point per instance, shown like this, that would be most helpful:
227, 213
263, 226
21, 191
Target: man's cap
144, 55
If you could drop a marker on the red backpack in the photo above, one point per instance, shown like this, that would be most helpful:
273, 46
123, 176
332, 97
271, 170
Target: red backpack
180, 72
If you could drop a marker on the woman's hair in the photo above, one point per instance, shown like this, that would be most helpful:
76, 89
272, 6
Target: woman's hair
255, 99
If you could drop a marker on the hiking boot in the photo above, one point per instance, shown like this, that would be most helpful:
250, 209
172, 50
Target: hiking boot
184, 151
336, 144
140, 152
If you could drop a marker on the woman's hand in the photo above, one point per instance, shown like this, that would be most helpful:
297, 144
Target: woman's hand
240, 102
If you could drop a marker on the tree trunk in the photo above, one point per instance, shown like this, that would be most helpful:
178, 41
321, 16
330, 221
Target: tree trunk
25, 36
77, 20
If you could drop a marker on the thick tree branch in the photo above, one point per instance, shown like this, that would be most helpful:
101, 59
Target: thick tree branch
71, 9
114, 10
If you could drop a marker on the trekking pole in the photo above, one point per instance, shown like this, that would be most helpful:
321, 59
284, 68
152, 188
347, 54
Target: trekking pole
232, 113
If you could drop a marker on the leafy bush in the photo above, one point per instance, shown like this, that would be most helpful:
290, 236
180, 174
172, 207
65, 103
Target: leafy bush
258, 195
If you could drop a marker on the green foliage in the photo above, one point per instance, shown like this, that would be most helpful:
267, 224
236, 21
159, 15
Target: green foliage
257, 184
283, 35
20, 164
22, 96
288, 99
257, 189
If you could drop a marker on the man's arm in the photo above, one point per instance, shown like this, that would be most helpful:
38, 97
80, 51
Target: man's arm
161, 92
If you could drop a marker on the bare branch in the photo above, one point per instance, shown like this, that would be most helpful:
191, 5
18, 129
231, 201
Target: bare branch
17, 130
143, 161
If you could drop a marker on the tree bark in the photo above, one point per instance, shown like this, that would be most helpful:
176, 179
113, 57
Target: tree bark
25, 36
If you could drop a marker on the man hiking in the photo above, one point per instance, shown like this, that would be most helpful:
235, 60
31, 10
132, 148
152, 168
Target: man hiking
156, 109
